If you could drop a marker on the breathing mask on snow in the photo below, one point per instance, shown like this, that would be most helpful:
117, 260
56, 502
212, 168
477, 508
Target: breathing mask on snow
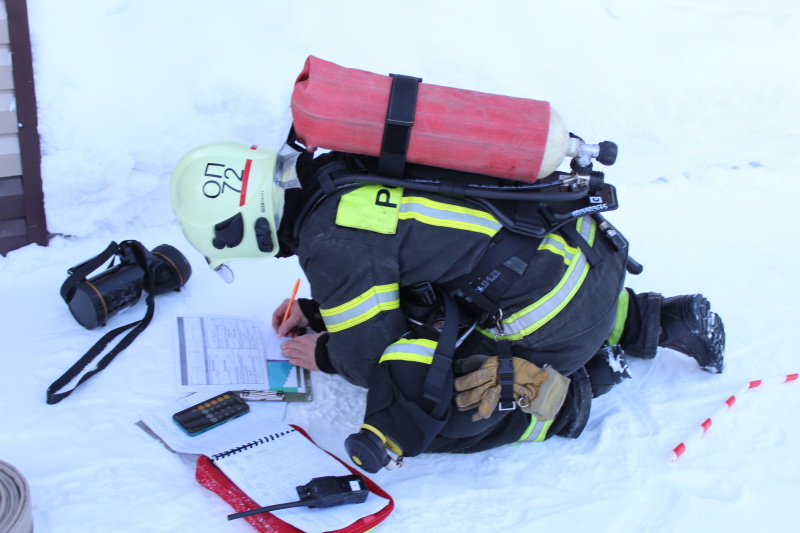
94, 300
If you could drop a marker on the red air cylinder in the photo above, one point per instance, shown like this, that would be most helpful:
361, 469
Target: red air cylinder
345, 109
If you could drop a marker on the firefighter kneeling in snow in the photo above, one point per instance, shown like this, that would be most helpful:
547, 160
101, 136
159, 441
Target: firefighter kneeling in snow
466, 335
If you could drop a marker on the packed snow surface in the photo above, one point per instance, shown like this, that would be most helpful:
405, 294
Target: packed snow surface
702, 99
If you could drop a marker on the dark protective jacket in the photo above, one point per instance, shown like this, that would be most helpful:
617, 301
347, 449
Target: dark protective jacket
360, 247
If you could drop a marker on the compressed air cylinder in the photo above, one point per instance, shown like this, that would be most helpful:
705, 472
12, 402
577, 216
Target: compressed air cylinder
345, 109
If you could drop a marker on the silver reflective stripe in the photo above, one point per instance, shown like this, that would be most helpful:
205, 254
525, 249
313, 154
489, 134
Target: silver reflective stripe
445, 215
539, 313
414, 350
362, 307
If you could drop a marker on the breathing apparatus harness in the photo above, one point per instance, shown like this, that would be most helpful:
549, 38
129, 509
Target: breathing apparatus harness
528, 212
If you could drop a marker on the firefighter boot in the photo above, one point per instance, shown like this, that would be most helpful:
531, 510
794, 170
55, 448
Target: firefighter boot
688, 326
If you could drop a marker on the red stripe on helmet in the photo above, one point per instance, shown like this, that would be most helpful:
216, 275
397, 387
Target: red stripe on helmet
245, 178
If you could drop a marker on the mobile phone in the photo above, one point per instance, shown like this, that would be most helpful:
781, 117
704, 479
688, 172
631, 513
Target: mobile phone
211, 413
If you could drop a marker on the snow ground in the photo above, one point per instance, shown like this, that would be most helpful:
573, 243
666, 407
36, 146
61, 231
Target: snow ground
702, 99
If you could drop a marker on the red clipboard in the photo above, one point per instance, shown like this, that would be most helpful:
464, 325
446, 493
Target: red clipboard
212, 478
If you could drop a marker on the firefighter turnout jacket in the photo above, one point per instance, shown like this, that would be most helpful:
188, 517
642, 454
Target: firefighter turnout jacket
361, 247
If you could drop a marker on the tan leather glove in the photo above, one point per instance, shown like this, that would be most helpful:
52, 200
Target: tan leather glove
538, 391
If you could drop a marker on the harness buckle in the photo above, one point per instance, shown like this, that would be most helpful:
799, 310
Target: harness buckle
505, 370
422, 294
505, 377
506, 406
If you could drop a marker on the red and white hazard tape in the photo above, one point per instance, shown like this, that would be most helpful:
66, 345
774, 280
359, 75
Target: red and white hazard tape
681, 448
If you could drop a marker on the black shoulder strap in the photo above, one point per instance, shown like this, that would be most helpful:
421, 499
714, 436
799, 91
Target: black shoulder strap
399, 120
53, 394
496, 270
591, 254
437, 386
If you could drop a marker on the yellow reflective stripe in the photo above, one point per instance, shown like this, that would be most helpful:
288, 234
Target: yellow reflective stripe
539, 313
362, 307
445, 215
622, 315
557, 245
413, 350
536, 315
537, 430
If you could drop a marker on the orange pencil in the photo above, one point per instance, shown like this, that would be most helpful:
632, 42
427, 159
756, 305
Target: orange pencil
291, 301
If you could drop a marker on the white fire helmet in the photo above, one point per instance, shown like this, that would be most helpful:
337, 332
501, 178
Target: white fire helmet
228, 197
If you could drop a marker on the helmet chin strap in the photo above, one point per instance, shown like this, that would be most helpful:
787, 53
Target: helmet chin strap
225, 272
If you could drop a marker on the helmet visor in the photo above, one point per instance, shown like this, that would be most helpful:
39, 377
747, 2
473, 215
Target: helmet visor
285, 171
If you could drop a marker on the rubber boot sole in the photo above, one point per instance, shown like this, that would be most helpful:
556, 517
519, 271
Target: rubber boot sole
707, 342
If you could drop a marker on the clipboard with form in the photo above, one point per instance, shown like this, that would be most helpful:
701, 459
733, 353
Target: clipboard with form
232, 353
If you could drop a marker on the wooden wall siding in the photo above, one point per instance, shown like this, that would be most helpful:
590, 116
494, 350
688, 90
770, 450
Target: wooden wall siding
22, 217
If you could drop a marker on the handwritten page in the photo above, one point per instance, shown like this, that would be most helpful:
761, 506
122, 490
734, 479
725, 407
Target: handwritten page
271, 469
227, 353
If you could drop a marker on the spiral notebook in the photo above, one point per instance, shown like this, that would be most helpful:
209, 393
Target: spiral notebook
211, 476
269, 468
255, 461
